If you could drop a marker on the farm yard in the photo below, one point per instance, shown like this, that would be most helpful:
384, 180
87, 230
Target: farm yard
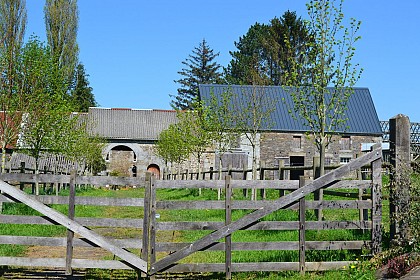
273, 165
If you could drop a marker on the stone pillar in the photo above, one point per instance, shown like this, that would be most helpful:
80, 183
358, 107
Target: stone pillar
400, 157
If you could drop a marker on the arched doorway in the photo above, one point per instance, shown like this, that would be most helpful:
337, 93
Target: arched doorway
154, 168
120, 160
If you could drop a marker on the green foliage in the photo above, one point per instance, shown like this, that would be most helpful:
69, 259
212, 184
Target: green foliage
200, 68
81, 95
270, 50
172, 145
328, 62
61, 22
48, 125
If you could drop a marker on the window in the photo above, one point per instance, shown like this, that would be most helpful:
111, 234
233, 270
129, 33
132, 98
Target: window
345, 143
345, 160
297, 142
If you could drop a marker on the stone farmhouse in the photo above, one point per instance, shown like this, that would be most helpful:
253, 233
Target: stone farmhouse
284, 138
131, 135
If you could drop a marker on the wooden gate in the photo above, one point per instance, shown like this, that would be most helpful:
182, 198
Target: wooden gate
87, 237
170, 263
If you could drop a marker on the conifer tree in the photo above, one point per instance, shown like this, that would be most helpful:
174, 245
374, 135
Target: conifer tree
82, 95
199, 68
271, 50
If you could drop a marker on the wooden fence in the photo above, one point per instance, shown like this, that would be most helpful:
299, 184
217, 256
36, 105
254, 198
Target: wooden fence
161, 255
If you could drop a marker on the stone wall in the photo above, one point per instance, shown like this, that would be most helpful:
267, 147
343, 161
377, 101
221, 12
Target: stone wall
272, 148
275, 146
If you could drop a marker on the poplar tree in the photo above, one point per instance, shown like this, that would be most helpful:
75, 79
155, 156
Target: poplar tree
13, 20
61, 21
200, 68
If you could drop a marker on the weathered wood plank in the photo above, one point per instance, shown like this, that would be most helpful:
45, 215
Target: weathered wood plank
74, 226
71, 212
250, 205
61, 241
84, 200
228, 220
270, 246
258, 214
376, 204
60, 263
266, 225
302, 229
43, 220
82, 180
261, 266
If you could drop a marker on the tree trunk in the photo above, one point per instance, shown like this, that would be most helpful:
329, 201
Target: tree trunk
322, 149
3, 157
254, 172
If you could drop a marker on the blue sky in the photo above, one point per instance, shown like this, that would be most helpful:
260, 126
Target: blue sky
132, 49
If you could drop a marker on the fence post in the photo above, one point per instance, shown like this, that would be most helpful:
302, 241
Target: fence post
302, 246
319, 194
376, 167
152, 219
70, 234
400, 158
262, 177
211, 172
22, 170
228, 220
147, 219
281, 176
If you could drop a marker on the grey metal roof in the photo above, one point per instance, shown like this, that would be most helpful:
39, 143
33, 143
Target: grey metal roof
361, 112
132, 124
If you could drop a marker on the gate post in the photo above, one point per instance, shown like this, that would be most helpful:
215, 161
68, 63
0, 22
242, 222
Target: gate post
70, 234
228, 220
400, 157
376, 167
146, 219
302, 220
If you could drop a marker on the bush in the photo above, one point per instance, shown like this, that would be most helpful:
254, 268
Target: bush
399, 266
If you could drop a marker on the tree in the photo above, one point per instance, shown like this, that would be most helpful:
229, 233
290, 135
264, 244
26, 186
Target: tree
196, 125
47, 125
81, 95
200, 68
253, 114
86, 149
270, 49
172, 145
12, 29
61, 21
328, 63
